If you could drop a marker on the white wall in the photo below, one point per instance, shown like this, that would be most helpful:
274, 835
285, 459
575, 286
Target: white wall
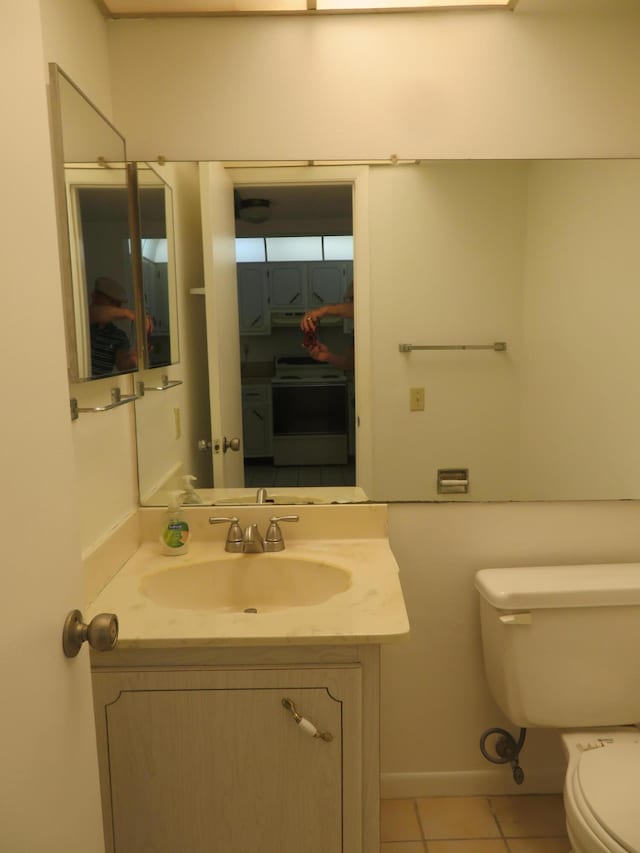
75, 37
542, 256
532, 83
446, 267
435, 702
579, 359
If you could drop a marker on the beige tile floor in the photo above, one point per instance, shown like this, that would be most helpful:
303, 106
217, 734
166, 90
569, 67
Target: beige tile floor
514, 824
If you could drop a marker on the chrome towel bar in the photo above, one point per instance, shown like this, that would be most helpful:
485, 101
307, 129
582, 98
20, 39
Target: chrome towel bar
166, 383
116, 400
498, 346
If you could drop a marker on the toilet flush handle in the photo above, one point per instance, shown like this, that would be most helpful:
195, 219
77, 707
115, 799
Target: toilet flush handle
516, 618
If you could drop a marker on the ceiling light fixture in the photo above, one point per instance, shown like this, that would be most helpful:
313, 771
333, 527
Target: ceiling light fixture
254, 210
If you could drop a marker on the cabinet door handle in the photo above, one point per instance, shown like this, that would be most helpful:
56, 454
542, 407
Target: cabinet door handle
257, 414
305, 725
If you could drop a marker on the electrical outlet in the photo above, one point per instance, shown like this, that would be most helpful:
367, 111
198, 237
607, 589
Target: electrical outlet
178, 425
416, 399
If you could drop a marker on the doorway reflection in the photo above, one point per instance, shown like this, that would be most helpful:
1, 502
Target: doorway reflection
298, 406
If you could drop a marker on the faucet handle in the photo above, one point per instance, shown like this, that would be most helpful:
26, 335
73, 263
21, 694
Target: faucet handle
234, 536
273, 541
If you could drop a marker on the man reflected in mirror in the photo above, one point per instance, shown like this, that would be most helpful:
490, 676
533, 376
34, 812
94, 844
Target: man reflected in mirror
111, 348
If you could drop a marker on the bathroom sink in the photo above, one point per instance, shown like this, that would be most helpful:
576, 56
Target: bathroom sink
246, 583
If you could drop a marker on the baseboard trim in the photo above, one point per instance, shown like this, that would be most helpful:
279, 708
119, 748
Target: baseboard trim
468, 783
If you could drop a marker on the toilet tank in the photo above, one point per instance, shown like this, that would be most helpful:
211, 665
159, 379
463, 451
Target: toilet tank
561, 644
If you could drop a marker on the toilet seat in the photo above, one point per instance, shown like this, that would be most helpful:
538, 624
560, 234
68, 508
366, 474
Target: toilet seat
602, 801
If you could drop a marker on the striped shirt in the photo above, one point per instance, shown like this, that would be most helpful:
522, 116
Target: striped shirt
106, 340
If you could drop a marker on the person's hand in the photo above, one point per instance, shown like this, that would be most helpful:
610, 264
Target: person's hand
148, 324
310, 320
319, 352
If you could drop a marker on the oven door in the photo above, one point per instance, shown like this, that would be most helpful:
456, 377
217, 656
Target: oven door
310, 423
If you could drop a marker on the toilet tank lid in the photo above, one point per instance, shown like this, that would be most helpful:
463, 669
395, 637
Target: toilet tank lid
535, 587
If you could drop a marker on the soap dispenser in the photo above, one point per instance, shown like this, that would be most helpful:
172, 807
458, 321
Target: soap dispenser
175, 530
189, 494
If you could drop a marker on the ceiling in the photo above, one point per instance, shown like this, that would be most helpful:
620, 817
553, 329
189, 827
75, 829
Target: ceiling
303, 202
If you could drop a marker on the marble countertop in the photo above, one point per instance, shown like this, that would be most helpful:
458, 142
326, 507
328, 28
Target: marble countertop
370, 610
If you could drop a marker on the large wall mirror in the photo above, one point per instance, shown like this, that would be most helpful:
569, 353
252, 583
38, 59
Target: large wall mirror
120, 304
540, 257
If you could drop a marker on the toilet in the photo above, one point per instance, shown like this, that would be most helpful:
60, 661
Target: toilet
561, 649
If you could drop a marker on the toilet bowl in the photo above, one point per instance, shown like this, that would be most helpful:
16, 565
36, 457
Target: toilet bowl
602, 790
561, 647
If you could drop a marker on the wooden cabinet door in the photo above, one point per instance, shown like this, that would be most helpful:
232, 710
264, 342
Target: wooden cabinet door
287, 286
211, 761
326, 283
257, 429
253, 300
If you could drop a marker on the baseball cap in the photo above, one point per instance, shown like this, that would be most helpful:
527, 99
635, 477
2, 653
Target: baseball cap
111, 288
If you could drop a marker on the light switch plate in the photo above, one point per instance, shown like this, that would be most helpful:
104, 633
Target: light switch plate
416, 399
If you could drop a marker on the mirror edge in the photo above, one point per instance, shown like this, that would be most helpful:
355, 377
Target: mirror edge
62, 217
142, 347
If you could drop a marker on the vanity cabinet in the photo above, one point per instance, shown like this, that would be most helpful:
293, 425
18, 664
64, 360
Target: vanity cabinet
257, 426
206, 758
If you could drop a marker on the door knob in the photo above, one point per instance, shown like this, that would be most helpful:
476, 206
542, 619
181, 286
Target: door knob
226, 444
203, 444
101, 632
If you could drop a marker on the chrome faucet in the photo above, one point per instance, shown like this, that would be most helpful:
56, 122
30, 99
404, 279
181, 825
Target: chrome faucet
261, 496
252, 541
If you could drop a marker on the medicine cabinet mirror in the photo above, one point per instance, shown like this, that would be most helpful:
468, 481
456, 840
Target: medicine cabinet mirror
120, 305
94, 221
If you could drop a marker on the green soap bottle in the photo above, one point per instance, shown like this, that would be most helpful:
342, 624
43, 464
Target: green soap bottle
174, 538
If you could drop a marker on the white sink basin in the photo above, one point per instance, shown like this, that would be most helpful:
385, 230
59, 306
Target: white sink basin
246, 583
